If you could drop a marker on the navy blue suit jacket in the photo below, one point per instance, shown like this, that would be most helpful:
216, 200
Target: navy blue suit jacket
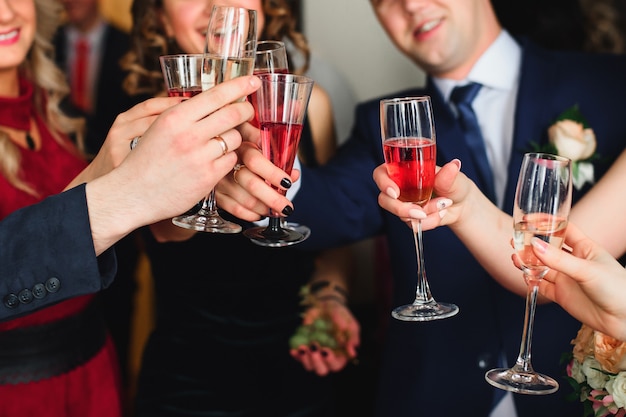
438, 368
47, 255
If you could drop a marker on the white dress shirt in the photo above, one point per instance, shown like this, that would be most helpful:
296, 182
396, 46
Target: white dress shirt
498, 71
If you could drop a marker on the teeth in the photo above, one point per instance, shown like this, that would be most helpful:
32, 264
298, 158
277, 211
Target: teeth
430, 25
9, 35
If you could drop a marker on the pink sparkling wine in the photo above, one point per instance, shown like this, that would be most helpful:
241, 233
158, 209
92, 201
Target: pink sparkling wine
184, 92
279, 142
411, 165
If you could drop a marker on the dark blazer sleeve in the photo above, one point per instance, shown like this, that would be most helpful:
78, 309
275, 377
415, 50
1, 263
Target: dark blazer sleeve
47, 255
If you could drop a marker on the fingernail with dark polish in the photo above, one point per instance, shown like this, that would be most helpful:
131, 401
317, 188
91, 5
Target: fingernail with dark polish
287, 210
324, 353
301, 352
313, 348
285, 183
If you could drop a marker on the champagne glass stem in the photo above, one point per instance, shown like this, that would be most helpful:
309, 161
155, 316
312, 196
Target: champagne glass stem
523, 359
209, 202
274, 228
422, 294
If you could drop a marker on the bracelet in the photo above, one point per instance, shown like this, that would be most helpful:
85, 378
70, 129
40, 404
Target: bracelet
317, 286
331, 297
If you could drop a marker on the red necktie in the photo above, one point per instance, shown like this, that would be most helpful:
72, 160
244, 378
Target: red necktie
80, 94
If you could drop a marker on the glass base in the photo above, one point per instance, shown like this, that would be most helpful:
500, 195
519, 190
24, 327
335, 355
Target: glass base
209, 224
521, 382
290, 234
425, 311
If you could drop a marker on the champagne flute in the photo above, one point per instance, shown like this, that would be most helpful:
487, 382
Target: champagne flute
542, 204
271, 57
408, 135
280, 104
182, 74
229, 53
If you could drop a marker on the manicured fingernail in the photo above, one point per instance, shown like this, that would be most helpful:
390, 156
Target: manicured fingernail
392, 193
301, 352
457, 162
255, 81
539, 244
417, 214
313, 348
324, 353
442, 213
287, 211
285, 183
443, 203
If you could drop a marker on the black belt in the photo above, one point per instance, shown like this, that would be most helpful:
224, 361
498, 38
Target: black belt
39, 352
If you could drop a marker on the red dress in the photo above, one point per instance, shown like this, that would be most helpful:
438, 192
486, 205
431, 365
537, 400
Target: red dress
91, 389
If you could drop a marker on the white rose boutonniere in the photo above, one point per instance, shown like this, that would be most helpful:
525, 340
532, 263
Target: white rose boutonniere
571, 137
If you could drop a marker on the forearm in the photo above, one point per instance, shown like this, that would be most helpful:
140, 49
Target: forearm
487, 231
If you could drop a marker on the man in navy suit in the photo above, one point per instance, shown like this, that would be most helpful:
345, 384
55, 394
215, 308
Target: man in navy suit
437, 368
106, 45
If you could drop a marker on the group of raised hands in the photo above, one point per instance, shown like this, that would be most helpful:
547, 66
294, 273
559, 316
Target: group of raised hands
585, 279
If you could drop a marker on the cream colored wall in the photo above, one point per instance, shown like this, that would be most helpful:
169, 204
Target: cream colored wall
118, 12
346, 33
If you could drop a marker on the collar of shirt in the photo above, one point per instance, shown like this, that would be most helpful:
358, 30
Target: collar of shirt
498, 70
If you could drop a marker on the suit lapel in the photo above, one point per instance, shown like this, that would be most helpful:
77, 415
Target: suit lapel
533, 103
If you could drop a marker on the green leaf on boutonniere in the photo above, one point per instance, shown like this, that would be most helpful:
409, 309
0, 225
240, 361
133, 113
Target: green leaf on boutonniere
545, 148
573, 113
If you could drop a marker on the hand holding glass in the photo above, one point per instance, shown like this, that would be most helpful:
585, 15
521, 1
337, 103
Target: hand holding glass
229, 53
543, 199
408, 134
280, 104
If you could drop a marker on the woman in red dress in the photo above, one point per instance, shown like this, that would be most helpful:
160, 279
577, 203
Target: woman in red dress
58, 361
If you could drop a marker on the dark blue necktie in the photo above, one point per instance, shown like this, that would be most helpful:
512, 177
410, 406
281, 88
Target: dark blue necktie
462, 98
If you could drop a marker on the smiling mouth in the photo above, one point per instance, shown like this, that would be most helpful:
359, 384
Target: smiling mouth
428, 26
9, 35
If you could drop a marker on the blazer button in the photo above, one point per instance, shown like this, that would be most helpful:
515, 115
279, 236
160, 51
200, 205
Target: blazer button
53, 284
39, 291
25, 296
11, 301
485, 361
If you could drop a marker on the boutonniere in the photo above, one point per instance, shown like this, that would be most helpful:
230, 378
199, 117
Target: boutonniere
570, 136
597, 372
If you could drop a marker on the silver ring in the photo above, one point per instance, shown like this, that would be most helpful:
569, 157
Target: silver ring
222, 143
134, 142
236, 169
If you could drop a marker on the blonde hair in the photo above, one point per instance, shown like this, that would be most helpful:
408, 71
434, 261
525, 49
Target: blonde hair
50, 86
149, 41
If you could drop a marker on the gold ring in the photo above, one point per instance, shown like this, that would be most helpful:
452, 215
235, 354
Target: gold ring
236, 169
222, 143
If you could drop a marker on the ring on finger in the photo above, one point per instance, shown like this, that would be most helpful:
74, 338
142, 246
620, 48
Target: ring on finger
222, 143
134, 142
236, 169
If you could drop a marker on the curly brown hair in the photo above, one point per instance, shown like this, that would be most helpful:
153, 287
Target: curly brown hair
149, 41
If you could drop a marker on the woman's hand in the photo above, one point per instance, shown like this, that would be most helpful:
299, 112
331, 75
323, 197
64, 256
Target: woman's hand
128, 125
245, 192
588, 283
334, 319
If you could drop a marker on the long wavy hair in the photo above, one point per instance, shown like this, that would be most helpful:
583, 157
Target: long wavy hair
149, 41
50, 87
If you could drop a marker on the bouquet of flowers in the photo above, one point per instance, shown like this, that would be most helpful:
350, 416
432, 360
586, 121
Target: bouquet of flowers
597, 372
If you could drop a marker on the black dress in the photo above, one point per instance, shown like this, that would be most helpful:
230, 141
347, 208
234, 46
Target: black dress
225, 311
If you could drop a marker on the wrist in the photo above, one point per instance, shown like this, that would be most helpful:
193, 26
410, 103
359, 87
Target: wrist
324, 290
